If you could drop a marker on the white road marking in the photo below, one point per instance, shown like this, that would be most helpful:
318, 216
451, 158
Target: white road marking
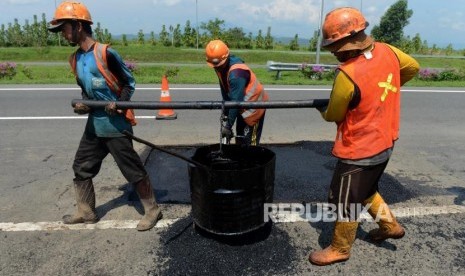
58, 225
281, 218
60, 117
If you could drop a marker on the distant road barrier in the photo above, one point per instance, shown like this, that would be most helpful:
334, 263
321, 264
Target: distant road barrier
283, 66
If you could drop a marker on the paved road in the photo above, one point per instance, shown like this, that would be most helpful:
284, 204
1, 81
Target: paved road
424, 183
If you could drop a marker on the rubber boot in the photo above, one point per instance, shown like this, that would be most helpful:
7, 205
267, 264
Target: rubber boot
339, 249
85, 198
389, 228
152, 211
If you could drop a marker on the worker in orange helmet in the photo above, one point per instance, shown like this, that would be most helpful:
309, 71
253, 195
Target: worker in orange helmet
365, 105
102, 75
237, 83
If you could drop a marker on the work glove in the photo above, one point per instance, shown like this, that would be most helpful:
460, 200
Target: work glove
226, 132
111, 109
81, 109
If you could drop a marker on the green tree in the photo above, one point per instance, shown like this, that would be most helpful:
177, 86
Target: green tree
392, 23
425, 47
140, 37
449, 50
51, 38
98, 33
44, 35
213, 28
164, 36
107, 37
196, 36
234, 38
189, 38
294, 44
37, 39
2, 36
259, 40
417, 44
249, 41
152, 39
406, 44
14, 34
312, 43
434, 49
177, 36
124, 39
171, 28
269, 41
28, 35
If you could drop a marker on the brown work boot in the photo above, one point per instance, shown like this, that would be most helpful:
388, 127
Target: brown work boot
85, 198
389, 228
339, 249
152, 211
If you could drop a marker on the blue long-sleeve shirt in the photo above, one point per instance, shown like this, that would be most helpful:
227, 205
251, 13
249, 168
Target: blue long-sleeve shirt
234, 89
94, 87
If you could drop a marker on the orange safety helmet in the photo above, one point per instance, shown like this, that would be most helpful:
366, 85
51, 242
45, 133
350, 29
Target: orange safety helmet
216, 52
69, 10
341, 23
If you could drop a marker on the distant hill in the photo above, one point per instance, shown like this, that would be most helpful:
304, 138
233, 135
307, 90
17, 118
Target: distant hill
287, 40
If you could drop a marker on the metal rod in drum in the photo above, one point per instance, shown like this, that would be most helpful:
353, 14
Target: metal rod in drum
130, 135
205, 104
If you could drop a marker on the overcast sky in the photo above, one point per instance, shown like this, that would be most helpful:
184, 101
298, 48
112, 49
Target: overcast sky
437, 21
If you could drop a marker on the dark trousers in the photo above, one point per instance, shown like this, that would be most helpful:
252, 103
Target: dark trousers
249, 135
352, 184
92, 150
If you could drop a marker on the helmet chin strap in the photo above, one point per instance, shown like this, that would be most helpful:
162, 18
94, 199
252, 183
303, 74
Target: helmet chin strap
74, 35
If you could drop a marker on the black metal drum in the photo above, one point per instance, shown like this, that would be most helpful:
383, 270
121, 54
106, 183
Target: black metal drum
229, 197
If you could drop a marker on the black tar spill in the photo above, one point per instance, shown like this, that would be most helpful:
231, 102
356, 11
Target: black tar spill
186, 250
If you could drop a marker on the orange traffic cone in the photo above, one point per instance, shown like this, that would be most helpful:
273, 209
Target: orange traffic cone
167, 114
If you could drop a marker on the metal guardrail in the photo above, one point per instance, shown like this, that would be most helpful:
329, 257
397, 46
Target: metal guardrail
282, 66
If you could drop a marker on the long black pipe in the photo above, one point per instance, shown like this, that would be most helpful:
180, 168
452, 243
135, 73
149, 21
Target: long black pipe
206, 104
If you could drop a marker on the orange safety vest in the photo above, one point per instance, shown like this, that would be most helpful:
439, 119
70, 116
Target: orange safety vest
373, 125
254, 92
100, 54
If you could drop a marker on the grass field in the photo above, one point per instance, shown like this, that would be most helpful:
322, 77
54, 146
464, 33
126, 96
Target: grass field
49, 65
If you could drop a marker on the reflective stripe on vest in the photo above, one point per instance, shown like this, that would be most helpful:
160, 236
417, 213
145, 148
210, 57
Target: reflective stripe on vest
373, 125
249, 112
100, 54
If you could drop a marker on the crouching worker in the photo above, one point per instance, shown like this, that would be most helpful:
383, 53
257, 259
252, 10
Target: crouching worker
365, 104
103, 76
